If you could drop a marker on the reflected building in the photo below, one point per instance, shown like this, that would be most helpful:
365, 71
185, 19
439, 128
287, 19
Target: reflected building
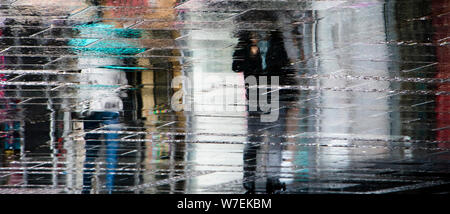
23, 136
214, 102
414, 115
440, 24
163, 154
350, 112
12, 132
345, 114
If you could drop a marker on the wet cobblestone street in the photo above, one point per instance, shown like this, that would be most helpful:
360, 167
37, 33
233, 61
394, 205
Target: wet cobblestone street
153, 96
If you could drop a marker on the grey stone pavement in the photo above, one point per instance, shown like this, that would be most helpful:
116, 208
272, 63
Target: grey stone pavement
149, 96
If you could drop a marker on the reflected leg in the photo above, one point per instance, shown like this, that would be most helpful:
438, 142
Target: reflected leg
250, 153
274, 153
112, 144
92, 147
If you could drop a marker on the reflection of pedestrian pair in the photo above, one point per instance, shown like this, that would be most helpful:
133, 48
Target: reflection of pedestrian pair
258, 57
93, 143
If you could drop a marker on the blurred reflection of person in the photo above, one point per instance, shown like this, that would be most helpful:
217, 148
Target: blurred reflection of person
102, 75
264, 54
109, 119
101, 112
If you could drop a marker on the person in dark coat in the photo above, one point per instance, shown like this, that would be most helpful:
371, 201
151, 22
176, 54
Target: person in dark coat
260, 55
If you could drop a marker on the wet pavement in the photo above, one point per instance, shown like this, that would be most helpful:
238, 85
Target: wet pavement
149, 96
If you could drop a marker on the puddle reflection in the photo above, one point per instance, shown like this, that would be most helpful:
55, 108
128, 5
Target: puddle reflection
138, 96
